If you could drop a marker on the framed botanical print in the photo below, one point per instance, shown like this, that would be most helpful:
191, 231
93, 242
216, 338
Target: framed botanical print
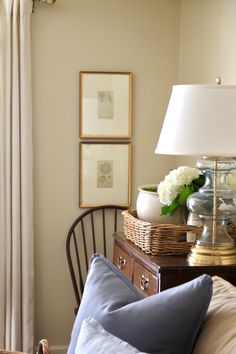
105, 104
105, 174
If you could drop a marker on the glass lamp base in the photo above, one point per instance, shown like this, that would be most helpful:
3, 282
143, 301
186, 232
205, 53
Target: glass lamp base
215, 203
201, 255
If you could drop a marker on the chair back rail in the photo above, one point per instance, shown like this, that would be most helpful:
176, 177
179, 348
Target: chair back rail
90, 233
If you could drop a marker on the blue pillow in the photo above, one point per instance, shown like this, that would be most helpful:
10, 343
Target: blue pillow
94, 339
167, 322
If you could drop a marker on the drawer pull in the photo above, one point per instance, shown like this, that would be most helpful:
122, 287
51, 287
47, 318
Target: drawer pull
143, 282
120, 262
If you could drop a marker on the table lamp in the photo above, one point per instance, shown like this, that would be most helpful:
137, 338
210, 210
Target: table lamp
201, 121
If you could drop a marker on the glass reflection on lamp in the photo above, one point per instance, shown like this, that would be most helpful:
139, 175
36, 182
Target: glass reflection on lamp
215, 203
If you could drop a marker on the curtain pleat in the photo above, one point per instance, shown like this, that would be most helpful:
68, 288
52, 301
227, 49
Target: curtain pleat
16, 183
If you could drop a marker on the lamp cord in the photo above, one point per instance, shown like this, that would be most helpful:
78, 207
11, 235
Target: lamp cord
214, 201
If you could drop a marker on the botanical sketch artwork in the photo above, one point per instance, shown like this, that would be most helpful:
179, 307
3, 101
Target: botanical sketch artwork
104, 174
105, 104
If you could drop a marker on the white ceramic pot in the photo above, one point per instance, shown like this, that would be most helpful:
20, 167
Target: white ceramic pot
149, 208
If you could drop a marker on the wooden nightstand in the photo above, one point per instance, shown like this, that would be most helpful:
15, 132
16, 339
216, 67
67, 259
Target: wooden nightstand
152, 274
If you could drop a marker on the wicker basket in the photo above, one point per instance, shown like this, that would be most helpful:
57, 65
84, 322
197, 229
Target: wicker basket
157, 239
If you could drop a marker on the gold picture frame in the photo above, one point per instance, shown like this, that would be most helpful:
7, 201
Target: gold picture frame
105, 104
105, 174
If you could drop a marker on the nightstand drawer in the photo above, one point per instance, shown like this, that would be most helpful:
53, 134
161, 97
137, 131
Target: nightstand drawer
123, 261
145, 281
152, 274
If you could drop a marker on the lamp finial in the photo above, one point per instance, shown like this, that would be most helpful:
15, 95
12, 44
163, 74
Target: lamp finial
219, 80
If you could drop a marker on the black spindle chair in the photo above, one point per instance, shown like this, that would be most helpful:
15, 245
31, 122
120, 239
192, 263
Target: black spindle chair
90, 233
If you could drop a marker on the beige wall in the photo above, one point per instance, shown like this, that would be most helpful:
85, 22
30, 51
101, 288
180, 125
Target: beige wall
207, 44
141, 36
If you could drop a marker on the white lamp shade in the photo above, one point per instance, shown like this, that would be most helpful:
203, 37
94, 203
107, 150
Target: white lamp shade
200, 120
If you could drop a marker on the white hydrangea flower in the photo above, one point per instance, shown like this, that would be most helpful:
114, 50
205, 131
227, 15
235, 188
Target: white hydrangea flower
174, 182
231, 180
226, 207
185, 175
167, 192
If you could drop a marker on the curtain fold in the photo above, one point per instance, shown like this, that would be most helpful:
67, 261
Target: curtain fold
16, 178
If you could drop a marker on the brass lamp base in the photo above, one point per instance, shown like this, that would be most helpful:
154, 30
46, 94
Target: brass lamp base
201, 255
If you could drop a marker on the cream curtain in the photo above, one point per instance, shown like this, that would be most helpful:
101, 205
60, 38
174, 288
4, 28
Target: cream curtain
16, 196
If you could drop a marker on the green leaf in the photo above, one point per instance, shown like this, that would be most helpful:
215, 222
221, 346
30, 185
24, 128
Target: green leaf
150, 189
198, 182
185, 193
170, 209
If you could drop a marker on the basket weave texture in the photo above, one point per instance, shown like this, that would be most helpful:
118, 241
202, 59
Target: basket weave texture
157, 239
